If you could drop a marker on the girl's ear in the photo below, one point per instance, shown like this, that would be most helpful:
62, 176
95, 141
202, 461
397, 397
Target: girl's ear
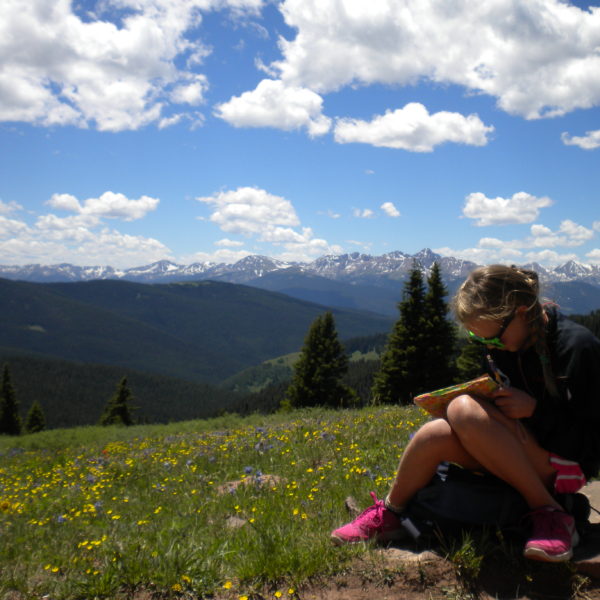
521, 311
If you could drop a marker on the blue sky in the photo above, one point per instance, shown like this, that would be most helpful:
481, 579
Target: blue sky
206, 130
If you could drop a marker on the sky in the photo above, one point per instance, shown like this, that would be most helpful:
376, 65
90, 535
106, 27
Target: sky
133, 131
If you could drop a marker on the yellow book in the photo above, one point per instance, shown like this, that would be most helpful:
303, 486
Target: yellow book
435, 402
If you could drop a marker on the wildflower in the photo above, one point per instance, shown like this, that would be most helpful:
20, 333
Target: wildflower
278, 594
176, 587
248, 470
227, 585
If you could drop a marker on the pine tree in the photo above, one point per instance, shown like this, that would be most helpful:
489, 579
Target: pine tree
440, 333
10, 420
318, 371
469, 363
35, 420
404, 364
118, 408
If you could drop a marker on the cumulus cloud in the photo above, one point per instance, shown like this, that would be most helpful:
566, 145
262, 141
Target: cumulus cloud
519, 208
108, 205
537, 58
389, 209
569, 234
257, 214
96, 72
590, 141
9, 207
413, 128
274, 104
190, 93
594, 255
536, 247
81, 238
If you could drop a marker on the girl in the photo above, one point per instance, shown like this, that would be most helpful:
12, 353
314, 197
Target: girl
540, 434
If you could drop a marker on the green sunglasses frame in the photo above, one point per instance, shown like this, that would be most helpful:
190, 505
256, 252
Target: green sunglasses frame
493, 341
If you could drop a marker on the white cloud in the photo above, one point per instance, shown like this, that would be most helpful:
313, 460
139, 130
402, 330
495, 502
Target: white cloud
94, 72
108, 205
257, 214
537, 247
52, 240
520, 208
590, 141
594, 255
190, 93
170, 121
363, 213
250, 211
273, 104
537, 58
9, 207
596, 225
227, 243
11, 227
413, 128
390, 210
81, 238
569, 234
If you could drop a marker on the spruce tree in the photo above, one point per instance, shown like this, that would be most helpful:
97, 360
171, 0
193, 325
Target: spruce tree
440, 333
118, 408
318, 371
404, 364
10, 420
35, 420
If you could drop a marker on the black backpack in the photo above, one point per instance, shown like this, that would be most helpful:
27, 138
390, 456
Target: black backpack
458, 500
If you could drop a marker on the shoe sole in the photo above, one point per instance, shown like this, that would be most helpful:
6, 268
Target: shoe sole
538, 554
541, 555
388, 537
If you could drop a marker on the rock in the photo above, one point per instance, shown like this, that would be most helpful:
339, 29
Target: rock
592, 491
262, 480
235, 522
351, 506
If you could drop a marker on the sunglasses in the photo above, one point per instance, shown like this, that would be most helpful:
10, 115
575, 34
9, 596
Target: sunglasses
493, 341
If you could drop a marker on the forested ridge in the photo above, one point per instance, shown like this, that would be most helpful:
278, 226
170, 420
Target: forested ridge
73, 393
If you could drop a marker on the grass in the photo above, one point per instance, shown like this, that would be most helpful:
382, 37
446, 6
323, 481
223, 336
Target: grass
227, 506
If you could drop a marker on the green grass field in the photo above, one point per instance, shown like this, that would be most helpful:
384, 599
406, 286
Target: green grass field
229, 506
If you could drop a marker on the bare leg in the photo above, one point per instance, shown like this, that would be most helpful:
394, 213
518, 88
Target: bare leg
476, 435
432, 444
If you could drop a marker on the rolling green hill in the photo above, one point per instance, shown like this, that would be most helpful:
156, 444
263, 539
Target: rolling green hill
73, 394
202, 331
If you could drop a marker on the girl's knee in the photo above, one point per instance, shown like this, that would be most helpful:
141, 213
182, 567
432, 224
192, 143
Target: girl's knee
436, 430
464, 411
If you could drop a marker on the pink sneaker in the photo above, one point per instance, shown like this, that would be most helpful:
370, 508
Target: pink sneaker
375, 522
553, 536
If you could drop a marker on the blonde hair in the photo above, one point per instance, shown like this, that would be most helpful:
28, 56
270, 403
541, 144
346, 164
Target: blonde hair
495, 292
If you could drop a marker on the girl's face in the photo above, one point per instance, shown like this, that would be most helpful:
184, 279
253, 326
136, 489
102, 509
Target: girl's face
514, 334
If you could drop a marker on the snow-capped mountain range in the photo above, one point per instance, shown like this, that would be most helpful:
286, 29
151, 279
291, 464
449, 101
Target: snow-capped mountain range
350, 268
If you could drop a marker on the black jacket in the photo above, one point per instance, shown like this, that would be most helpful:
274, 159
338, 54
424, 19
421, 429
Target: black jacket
569, 425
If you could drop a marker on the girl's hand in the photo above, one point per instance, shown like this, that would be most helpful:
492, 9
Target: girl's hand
514, 403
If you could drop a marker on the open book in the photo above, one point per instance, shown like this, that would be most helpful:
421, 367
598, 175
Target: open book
435, 402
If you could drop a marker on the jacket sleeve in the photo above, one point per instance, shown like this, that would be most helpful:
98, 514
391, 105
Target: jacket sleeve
570, 425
